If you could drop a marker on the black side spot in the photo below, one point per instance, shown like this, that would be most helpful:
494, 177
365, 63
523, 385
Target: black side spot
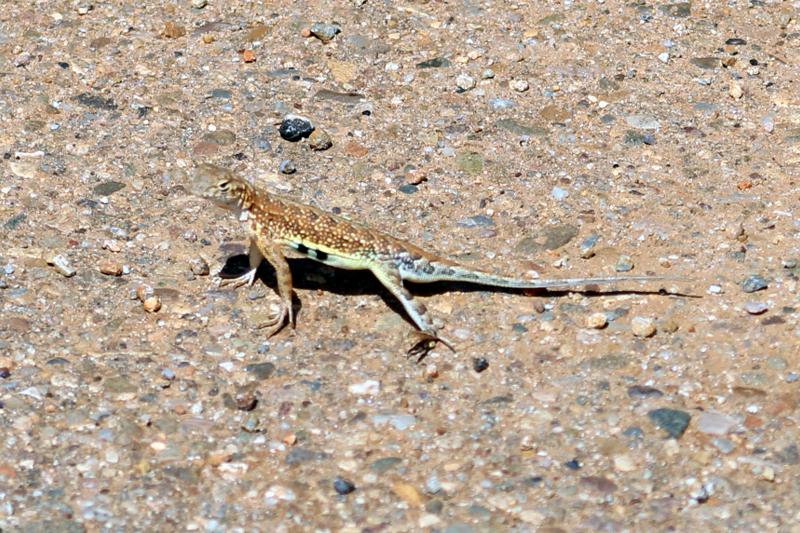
302, 248
322, 256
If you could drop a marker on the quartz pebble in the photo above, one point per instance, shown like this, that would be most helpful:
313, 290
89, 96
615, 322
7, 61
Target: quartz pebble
465, 82
597, 321
643, 326
519, 85
714, 423
369, 387
199, 266
735, 91
755, 308
62, 265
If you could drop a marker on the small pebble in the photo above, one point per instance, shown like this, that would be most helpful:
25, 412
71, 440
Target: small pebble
369, 387
642, 122
588, 245
199, 266
624, 264
714, 423
152, 304
643, 326
663, 57
624, 463
110, 268
755, 308
754, 283
319, 140
735, 91
325, 32
789, 263
199, 4
597, 321
715, 289
245, 401
343, 486
287, 166
465, 82
723, 445
487, 74
643, 391
672, 421
22, 60
519, 85
559, 194
501, 103
293, 128
173, 31
768, 122
62, 265
479, 364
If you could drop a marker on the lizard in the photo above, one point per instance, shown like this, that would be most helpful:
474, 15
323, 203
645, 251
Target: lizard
279, 227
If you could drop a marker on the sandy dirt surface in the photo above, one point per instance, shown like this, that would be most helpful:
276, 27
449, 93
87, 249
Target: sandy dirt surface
560, 138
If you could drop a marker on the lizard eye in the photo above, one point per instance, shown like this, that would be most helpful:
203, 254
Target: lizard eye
223, 185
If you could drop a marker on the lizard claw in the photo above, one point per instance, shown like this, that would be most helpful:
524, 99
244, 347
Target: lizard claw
425, 342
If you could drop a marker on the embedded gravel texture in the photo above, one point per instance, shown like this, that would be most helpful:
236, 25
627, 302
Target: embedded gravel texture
562, 138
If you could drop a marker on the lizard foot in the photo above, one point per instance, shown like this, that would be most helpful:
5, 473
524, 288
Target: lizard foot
245, 279
277, 321
425, 342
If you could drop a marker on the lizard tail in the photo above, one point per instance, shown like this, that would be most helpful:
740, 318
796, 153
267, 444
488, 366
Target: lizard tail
459, 274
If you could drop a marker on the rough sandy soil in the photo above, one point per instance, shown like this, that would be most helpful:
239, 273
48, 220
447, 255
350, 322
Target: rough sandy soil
565, 138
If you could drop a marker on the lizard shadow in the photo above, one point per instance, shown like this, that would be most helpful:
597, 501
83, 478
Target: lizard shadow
308, 274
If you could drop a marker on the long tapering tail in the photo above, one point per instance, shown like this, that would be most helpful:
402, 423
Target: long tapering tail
460, 274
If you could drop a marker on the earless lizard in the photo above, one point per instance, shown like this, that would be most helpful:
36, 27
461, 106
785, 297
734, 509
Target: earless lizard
279, 227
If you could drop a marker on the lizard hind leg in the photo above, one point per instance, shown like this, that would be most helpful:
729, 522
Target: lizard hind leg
426, 337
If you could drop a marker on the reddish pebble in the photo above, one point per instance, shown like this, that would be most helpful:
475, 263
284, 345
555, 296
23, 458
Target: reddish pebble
110, 268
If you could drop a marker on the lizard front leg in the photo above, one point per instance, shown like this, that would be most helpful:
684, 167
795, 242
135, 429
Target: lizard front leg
389, 276
254, 258
273, 253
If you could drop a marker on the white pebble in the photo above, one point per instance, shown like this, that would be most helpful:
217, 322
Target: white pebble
465, 82
643, 326
370, 387
520, 85
597, 321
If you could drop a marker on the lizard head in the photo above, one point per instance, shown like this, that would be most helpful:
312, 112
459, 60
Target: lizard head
220, 185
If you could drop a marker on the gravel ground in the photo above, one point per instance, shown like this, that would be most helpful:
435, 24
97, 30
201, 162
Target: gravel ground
566, 138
